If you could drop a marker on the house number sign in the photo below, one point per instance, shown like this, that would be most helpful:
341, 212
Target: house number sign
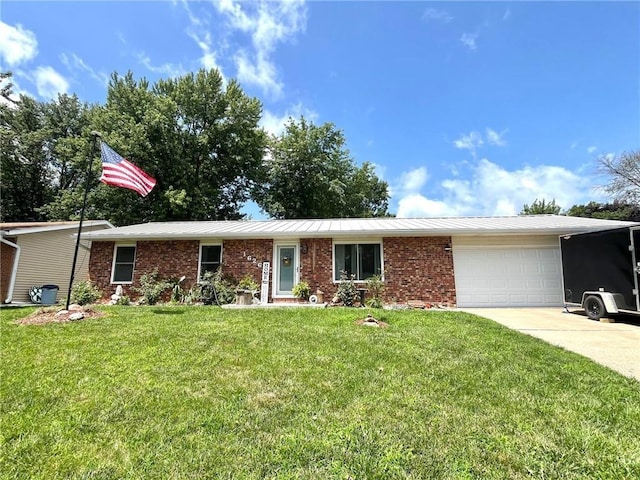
252, 259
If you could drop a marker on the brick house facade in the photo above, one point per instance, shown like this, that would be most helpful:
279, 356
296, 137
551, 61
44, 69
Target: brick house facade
415, 268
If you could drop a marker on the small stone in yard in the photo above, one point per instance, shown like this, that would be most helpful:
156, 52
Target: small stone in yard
370, 321
62, 312
76, 316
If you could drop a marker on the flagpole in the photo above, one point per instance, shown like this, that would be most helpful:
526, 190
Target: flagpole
95, 135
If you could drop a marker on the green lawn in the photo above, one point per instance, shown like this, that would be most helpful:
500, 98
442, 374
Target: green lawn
201, 392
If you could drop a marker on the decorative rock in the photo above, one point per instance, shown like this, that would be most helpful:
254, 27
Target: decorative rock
61, 312
76, 316
75, 306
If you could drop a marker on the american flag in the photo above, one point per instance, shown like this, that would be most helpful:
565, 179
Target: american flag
119, 172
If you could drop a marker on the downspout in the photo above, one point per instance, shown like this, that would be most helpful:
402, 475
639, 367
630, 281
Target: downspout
14, 270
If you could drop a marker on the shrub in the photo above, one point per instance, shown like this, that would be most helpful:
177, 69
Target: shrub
214, 288
248, 283
347, 291
375, 288
151, 288
85, 292
302, 290
123, 300
177, 292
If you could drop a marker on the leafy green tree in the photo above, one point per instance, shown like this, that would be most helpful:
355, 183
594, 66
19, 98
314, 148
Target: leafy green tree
624, 170
540, 207
616, 210
26, 178
42, 146
197, 137
309, 174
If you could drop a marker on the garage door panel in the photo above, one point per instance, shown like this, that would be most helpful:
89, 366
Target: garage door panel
507, 276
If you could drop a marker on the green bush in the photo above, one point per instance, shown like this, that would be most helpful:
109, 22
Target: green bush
124, 300
375, 289
85, 293
347, 291
302, 290
248, 283
151, 288
214, 288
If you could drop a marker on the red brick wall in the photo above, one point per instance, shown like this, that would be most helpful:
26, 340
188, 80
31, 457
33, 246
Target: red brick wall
100, 262
416, 268
172, 259
236, 262
419, 268
316, 266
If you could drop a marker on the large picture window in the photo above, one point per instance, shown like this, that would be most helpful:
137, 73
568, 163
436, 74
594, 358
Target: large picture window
124, 259
363, 260
210, 258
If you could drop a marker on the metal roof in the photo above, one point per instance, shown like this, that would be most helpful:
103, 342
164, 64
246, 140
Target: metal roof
354, 227
25, 228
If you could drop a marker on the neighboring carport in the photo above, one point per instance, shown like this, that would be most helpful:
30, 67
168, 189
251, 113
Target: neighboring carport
615, 345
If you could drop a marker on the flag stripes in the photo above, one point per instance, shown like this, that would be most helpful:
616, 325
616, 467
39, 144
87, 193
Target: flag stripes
119, 172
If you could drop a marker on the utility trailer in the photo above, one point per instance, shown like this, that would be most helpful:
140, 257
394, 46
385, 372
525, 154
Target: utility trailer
601, 271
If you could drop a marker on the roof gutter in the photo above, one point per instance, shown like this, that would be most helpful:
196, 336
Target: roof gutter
14, 269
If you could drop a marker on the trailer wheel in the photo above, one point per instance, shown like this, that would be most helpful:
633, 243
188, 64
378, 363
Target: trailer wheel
594, 307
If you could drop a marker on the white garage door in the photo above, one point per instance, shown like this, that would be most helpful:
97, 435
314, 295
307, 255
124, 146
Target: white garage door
507, 276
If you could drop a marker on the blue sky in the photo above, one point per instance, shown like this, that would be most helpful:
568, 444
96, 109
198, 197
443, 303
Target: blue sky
465, 108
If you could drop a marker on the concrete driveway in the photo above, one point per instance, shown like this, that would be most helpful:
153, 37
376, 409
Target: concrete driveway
615, 345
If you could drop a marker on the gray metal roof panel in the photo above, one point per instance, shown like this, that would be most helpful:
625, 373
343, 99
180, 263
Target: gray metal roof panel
532, 224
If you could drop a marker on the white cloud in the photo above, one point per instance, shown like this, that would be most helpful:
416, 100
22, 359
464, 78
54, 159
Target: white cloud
274, 124
260, 72
17, 45
267, 24
168, 69
50, 83
417, 206
414, 180
470, 142
490, 189
74, 62
592, 149
495, 138
507, 14
469, 40
437, 15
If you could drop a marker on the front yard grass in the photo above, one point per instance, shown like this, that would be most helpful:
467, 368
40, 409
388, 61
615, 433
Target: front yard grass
201, 392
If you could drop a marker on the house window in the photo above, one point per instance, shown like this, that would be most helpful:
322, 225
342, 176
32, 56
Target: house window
363, 260
210, 258
123, 262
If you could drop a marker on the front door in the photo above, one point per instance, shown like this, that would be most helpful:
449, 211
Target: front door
286, 269
635, 256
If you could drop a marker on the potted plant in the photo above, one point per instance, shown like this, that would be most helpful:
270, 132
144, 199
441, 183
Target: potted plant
245, 290
302, 290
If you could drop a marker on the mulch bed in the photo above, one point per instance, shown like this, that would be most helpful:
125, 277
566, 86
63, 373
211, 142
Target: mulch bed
47, 315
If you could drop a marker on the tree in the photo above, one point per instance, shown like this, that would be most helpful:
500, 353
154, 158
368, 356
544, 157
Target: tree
609, 211
198, 138
540, 207
25, 185
624, 171
308, 173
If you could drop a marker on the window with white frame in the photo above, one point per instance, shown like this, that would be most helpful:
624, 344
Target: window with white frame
210, 258
363, 260
124, 258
